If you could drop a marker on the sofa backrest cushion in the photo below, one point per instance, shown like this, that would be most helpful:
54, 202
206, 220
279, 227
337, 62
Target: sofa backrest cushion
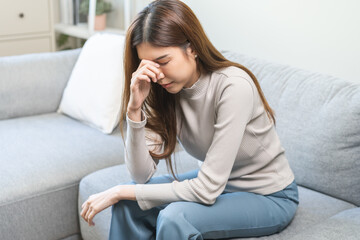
32, 84
318, 123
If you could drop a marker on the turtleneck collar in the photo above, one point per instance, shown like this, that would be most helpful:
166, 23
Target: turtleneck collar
198, 88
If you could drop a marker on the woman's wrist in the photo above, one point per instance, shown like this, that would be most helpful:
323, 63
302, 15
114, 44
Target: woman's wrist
125, 192
129, 109
135, 115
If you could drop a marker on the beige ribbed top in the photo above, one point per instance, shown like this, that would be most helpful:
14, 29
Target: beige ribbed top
222, 122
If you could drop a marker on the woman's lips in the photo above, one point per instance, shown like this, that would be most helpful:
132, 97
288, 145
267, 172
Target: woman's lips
166, 85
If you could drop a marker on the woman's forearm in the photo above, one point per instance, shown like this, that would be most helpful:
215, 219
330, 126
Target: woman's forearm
125, 192
139, 162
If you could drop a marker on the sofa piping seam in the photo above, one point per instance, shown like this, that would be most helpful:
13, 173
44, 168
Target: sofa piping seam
37, 195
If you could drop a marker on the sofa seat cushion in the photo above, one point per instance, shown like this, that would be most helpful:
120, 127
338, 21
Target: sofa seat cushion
314, 207
42, 160
344, 224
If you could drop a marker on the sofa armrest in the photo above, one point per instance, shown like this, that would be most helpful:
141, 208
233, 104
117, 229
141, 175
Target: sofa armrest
33, 84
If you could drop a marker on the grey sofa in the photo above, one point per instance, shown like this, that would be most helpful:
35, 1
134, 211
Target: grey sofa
43, 154
50, 163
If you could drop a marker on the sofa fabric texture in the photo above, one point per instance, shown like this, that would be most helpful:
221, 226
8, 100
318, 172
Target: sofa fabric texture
33, 84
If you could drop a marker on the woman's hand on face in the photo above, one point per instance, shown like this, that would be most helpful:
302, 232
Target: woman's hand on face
141, 82
98, 202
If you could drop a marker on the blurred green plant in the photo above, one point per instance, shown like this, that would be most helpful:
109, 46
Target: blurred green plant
63, 39
83, 42
101, 7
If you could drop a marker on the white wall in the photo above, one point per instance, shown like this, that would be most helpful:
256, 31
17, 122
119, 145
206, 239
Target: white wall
318, 35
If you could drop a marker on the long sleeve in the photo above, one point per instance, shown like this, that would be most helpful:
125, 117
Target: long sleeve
137, 157
234, 109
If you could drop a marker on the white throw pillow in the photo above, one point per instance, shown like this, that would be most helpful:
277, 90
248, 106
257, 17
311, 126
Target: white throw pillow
94, 90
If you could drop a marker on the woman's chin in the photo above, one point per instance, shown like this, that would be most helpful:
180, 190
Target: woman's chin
172, 88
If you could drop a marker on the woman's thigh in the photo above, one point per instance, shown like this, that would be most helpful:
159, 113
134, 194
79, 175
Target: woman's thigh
238, 214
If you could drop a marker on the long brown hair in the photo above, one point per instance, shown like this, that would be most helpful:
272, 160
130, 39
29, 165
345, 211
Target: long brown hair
170, 23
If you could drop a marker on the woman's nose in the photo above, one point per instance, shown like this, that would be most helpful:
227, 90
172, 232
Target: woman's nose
161, 76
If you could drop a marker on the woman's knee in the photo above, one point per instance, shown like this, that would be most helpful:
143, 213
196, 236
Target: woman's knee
177, 213
169, 214
124, 207
174, 222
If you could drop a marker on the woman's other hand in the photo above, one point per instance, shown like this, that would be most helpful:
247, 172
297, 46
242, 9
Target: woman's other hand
98, 202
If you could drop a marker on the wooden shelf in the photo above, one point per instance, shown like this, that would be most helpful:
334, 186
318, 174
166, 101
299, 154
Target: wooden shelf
82, 31
86, 30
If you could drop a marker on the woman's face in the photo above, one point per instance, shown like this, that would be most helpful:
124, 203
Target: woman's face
177, 65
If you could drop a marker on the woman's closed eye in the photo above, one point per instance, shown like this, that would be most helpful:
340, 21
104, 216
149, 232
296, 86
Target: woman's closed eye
162, 64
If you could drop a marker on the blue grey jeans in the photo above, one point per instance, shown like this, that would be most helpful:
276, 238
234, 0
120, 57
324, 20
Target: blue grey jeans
236, 214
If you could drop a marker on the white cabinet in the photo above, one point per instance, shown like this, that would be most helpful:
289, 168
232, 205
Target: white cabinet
26, 27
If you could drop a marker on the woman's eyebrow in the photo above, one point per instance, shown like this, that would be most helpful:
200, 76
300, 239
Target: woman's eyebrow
163, 56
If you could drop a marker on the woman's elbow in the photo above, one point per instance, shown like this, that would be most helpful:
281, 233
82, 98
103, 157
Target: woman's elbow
209, 196
139, 179
208, 200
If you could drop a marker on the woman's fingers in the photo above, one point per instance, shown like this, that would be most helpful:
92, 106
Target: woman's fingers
87, 214
144, 62
89, 210
91, 216
150, 68
84, 212
155, 70
147, 71
144, 77
151, 74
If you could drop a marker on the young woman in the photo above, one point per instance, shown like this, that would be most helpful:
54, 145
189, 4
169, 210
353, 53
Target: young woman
179, 87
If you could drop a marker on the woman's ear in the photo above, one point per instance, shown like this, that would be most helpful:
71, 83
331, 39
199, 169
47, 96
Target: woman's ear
191, 52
